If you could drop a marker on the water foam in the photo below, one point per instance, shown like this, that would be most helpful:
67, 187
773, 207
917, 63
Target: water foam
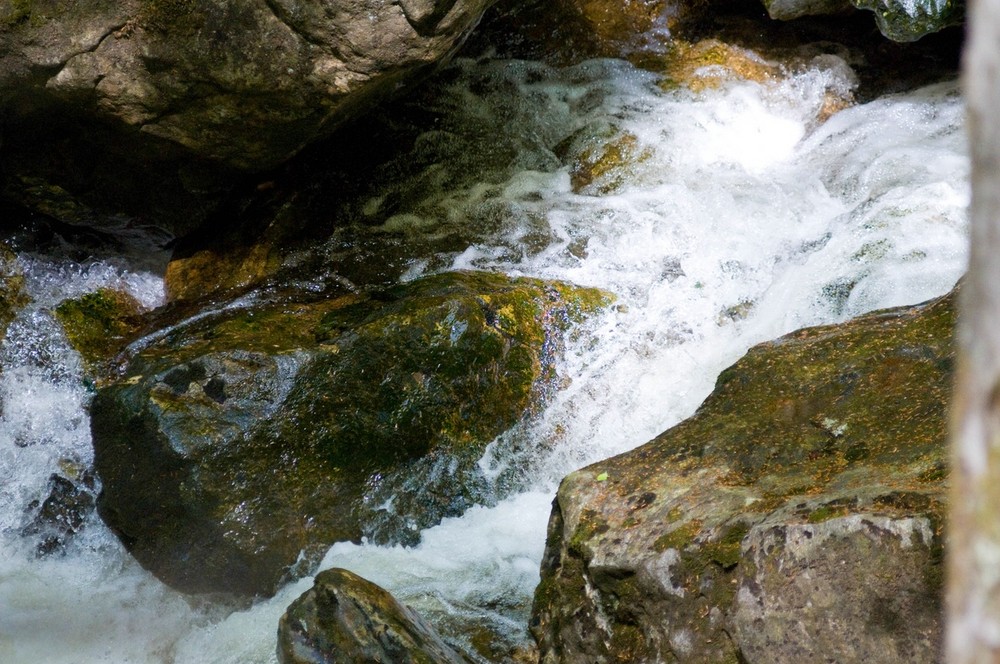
741, 217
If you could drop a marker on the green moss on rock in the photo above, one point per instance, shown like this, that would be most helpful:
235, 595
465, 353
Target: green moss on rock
345, 618
241, 439
13, 296
825, 451
909, 20
99, 324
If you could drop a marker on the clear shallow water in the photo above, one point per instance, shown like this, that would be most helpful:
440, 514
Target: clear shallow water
739, 217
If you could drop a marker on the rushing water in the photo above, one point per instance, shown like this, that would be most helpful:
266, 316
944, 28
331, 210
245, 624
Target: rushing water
740, 215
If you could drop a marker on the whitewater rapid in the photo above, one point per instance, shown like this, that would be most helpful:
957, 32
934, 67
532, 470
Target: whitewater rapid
742, 215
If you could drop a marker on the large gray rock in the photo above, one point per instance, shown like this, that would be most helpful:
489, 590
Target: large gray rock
152, 110
796, 517
246, 84
345, 619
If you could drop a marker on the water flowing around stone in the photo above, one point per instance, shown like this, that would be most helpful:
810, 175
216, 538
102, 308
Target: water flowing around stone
719, 218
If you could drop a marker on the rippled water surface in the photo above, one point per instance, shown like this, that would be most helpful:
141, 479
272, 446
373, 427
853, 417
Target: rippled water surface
726, 217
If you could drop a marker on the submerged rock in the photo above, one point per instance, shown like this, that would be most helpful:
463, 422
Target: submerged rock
345, 619
795, 517
240, 445
64, 512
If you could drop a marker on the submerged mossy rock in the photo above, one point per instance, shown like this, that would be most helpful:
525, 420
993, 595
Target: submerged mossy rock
236, 442
795, 517
345, 619
709, 63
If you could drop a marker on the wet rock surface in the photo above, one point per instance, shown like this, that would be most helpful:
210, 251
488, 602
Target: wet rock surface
796, 516
99, 324
244, 85
63, 513
238, 440
152, 108
345, 619
12, 294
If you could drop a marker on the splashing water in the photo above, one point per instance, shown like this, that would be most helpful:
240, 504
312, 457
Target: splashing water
733, 215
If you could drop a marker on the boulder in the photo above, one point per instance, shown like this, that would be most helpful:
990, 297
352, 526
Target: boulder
899, 20
235, 448
99, 324
795, 517
173, 96
909, 20
345, 619
246, 85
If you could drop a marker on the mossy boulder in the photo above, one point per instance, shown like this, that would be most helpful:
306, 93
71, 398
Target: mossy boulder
99, 324
795, 517
345, 619
237, 447
708, 63
909, 20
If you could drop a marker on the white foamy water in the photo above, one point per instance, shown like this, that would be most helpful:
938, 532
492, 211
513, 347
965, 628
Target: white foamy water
739, 217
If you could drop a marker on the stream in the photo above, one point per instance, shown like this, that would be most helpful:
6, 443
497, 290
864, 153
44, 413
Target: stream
738, 213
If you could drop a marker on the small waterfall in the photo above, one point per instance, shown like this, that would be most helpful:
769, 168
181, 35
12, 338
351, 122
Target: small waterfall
730, 216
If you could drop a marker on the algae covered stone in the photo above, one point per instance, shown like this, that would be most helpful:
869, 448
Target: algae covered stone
795, 517
909, 20
899, 20
345, 619
238, 441
99, 324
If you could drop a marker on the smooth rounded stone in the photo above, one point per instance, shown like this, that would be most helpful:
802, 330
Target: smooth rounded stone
796, 516
345, 619
786, 10
234, 449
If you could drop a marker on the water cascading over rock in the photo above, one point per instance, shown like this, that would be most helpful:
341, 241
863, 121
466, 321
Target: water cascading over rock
236, 448
796, 516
